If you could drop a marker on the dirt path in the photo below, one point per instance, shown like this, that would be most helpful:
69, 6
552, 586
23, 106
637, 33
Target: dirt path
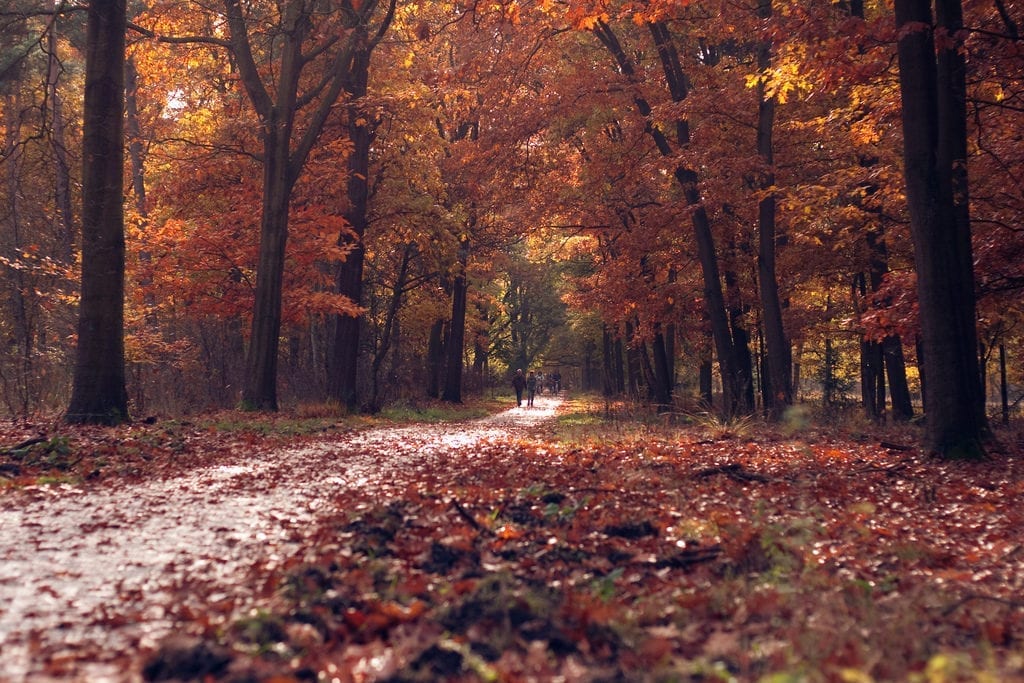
92, 571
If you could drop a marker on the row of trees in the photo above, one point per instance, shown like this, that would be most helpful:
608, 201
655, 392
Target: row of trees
385, 196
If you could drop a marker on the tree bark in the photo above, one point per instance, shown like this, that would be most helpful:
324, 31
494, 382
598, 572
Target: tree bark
457, 330
778, 392
16, 305
896, 371
62, 171
743, 361
935, 165
435, 359
343, 364
1004, 393
98, 393
662, 374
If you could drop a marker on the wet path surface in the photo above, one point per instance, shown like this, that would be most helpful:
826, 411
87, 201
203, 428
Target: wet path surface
94, 570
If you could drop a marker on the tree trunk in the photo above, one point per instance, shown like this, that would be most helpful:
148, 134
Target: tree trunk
714, 300
343, 353
829, 382
934, 130
283, 161
896, 370
62, 171
619, 361
743, 362
872, 369
343, 365
15, 305
634, 370
390, 324
608, 347
706, 384
778, 357
1004, 393
457, 330
260, 390
662, 378
435, 359
872, 359
98, 394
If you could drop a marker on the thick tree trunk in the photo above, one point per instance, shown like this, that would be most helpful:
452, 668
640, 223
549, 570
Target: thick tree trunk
778, 393
98, 394
934, 133
343, 363
260, 389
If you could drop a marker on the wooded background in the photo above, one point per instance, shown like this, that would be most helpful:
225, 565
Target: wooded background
373, 201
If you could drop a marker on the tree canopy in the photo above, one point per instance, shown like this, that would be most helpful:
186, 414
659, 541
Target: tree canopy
369, 202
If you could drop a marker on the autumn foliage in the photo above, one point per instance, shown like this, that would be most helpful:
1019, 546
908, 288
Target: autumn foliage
546, 134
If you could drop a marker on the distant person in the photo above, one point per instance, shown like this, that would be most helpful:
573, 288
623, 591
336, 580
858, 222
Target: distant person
556, 382
519, 383
531, 388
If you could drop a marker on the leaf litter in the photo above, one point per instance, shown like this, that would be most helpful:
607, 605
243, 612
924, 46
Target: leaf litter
492, 551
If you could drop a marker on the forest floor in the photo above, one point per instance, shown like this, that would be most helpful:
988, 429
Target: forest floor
559, 542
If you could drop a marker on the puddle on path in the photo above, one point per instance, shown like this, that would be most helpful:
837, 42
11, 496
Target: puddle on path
91, 570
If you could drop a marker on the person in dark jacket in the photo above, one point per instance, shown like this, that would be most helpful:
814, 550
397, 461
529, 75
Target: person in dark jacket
531, 388
519, 383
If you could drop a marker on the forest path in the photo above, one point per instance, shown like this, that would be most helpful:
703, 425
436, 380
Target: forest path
88, 575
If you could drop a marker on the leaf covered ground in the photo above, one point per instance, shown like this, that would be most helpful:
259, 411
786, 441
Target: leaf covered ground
575, 549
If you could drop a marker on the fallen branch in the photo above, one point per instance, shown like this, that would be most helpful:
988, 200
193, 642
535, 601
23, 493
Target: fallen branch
970, 597
13, 450
733, 471
895, 446
464, 513
689, 557
886, 469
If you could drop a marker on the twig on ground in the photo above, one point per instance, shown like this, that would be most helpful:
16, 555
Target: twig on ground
464, 513
24, 444
1015, 604
690, 556
733, 471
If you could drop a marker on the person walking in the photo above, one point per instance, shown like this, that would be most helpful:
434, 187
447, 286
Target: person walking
519, 383
531, 388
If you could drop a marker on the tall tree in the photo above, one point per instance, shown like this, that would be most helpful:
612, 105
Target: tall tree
688, 180
933, 92
275, 95
778, 384
98, 394
343, 357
